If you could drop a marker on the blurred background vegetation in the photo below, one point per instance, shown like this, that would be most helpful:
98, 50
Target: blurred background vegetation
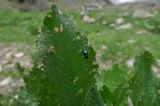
117, 30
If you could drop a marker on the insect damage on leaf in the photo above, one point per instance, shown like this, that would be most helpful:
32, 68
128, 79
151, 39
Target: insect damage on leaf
56, 29
65, 77
52, 50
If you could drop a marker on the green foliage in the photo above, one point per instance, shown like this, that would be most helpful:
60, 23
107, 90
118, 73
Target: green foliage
114, 78
143, 88
115, 86
152, 25
65, 76
67, 71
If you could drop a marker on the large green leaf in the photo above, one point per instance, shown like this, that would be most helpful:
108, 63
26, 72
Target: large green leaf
115, 86
112, 79
143, 87
67, 71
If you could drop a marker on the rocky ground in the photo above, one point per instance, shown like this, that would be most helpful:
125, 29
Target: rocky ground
10, 55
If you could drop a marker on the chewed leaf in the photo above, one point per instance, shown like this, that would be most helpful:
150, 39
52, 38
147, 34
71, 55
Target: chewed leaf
143, 89
66, 76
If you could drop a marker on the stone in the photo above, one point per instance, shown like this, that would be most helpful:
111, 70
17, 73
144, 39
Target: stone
19, 55
88, 19
120, 21
84, 12
125, 26
141, 14
130, 63
5, 81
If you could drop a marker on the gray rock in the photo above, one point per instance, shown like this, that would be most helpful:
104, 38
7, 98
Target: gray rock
11, 54
88, 19
120, 21
125, 26
142, 14
130, 63
5, 81
19, 55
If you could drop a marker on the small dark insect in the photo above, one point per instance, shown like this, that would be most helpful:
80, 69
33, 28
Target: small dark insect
85, 54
